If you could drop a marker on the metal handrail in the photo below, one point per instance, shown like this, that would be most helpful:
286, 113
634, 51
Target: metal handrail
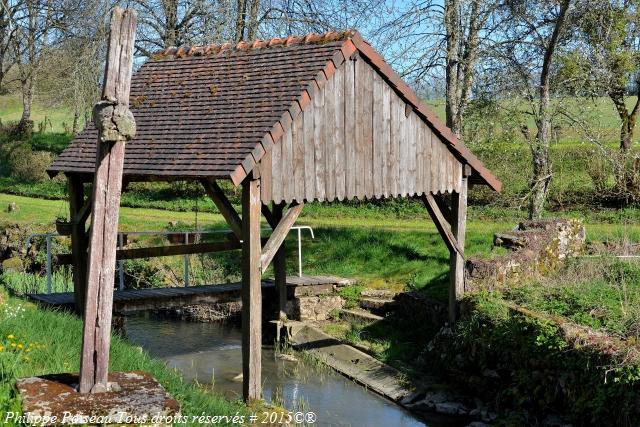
187, 234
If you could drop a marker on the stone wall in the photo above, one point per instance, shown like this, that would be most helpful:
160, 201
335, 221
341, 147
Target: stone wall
535, 247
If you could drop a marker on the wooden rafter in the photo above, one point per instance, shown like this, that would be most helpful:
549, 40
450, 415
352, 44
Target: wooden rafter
441, 224
444, 207
279, 234
224, 206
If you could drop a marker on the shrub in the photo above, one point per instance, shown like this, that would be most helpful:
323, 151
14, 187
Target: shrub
28, 165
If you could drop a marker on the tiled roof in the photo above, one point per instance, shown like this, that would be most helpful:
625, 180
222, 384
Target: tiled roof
212, 111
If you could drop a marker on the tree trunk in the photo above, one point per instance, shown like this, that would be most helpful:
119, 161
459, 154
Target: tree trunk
542, 168
76, 121
253, 20
240, 19
27, 101
451, 24
171, 23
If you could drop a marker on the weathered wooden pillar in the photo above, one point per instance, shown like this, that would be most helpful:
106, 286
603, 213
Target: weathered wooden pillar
280, 267
115, 125
79, 240
251, 290
456, 259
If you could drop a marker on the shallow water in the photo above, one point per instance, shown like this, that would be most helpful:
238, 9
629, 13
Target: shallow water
211, 353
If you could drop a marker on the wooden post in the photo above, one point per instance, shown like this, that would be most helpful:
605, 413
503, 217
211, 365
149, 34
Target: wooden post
456, 259
115, 125
251, 290
79, 241
280, 266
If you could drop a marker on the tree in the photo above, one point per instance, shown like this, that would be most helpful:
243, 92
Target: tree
532, 33
8, 30
611, 57
433, 39
464, 23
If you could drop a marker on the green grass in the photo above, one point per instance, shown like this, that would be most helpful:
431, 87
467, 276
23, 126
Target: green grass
11, 110
56, 339
602, 293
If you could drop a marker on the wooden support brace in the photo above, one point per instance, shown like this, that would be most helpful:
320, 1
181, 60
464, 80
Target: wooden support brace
79, 240
84, 212
279, 260
279, 234
115, 125
224, 206
456, 259
441, 224
251, 291
443, 206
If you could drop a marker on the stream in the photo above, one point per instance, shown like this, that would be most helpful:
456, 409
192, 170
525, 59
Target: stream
211, 354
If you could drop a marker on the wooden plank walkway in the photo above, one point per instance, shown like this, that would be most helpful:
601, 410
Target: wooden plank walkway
144, 299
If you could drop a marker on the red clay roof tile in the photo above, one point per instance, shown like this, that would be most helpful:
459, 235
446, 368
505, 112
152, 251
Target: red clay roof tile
213, 110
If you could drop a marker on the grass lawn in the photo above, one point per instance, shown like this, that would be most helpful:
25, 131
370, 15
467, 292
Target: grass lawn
11, 110
380, 251
51, 343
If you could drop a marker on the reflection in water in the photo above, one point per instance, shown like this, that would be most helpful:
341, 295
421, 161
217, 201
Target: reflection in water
211, 353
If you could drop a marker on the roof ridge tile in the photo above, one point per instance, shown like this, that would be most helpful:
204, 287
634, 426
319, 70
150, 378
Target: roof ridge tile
217, 48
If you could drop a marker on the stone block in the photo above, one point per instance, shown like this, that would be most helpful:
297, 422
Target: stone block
137, 399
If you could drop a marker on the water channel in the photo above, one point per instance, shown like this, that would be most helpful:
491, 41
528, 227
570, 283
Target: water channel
211, 353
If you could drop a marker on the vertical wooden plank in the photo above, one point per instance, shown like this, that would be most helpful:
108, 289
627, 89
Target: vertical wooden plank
287, 163
350, 129
276, 171
426, 183
360, 101
385, 144
330, 143
79, 242
378, 134
411, 136
456, 260
319, 143
266, 178
298, 158
368, 129
419, 137
251, 290
394, 146
107, 185
437, 164
309, 154
339, 129
404, 153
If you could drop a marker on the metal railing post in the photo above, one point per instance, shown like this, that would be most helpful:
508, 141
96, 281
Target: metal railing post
121, 263
49, 263
186, 262
299, 252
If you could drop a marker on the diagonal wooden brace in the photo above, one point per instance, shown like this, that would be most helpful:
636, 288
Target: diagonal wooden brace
279, 234
224, 206
441, 224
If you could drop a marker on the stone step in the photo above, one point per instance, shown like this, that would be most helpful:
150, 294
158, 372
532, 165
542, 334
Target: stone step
378, 305
378, 293
358, 314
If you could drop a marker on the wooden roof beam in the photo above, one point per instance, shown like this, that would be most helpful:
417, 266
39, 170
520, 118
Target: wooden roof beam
441, 224
224, 206
279, 234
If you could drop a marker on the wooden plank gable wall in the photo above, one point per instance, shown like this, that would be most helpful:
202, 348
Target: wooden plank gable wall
357, 139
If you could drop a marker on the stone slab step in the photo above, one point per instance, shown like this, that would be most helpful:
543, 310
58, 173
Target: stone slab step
360, 315
352, 363
378, 305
